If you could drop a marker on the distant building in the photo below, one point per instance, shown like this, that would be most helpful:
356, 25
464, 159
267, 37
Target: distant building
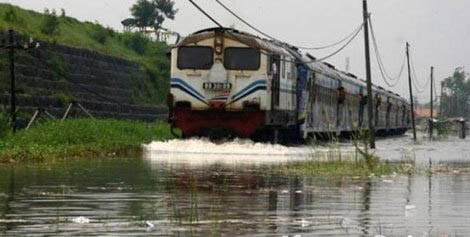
423, 112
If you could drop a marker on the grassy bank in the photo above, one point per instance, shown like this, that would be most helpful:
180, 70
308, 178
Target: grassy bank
80, 138
59, 28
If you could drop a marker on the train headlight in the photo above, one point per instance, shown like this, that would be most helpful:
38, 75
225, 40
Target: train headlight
219, 44
219, 40
218, 49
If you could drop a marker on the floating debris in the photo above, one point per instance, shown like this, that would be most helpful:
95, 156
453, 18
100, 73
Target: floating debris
149, 224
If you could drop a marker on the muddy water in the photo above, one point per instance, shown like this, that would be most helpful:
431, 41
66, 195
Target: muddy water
179, 190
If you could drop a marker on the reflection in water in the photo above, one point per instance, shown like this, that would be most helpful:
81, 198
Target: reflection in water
366, 196
156, 197
9, 198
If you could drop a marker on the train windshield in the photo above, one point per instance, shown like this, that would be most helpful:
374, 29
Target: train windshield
195, 57
242, 59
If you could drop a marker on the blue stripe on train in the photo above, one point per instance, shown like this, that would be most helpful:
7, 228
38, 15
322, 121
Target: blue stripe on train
177, 86
249, 92
188, 89
249, 87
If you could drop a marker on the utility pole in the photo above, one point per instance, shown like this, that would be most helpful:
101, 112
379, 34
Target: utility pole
11, 47
431, 122
12, 78
411, 91
370, 111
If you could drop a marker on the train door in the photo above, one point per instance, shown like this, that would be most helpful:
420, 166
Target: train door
341, 97
389, 110
378, 103
275, 62
362, 106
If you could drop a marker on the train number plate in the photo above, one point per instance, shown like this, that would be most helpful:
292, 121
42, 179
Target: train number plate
217, 86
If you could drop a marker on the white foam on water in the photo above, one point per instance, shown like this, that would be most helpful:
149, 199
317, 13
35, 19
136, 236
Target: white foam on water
235, 147
238, 151
81, 220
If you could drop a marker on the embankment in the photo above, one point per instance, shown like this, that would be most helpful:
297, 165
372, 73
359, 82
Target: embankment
53, 75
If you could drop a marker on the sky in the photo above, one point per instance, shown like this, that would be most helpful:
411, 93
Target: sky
438, 31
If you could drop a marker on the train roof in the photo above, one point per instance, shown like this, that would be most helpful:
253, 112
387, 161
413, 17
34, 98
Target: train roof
242, 37
329, 70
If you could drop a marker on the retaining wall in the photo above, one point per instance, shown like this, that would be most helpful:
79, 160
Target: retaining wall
52, 76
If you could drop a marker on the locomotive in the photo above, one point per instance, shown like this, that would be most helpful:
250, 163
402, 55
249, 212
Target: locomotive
225, 82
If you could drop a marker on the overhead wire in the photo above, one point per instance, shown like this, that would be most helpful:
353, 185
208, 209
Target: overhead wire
205, 13
420, 87
282, 43
273, 38
390, 81
358, 29
435, 89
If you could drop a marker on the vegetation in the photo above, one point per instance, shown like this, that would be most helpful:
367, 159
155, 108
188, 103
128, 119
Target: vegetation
361, 163
456, 94
4, 122
151, 13
80, 138
69, 31
50, 25
344, 168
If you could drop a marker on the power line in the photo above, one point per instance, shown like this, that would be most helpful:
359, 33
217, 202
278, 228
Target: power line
391, 82
284, 45
344, 46
245, 22
416, 78
337, 43
435, 89
205, 13
273, 38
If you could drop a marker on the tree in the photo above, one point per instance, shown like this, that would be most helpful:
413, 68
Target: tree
456, 97
152, 13
164, 9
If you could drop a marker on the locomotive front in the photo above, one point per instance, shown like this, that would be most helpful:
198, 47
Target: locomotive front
219, 84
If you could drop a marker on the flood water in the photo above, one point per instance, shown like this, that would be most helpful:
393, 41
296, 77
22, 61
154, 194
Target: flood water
195, 188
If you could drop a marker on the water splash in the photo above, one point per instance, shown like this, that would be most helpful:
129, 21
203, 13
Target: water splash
238, 151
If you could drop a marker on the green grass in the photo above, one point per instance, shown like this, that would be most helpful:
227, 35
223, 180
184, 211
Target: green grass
343, 168
69, 31
80, 138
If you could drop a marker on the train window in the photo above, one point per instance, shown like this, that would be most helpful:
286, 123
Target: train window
195, 57
242, 59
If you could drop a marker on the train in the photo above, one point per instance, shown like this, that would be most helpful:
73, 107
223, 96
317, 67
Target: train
229, 83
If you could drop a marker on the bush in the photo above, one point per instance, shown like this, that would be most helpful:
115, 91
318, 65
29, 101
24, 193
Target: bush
50, 25
136, 42
10, 15
63, 99
111, 31
100, 34
57, 65
4, 122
